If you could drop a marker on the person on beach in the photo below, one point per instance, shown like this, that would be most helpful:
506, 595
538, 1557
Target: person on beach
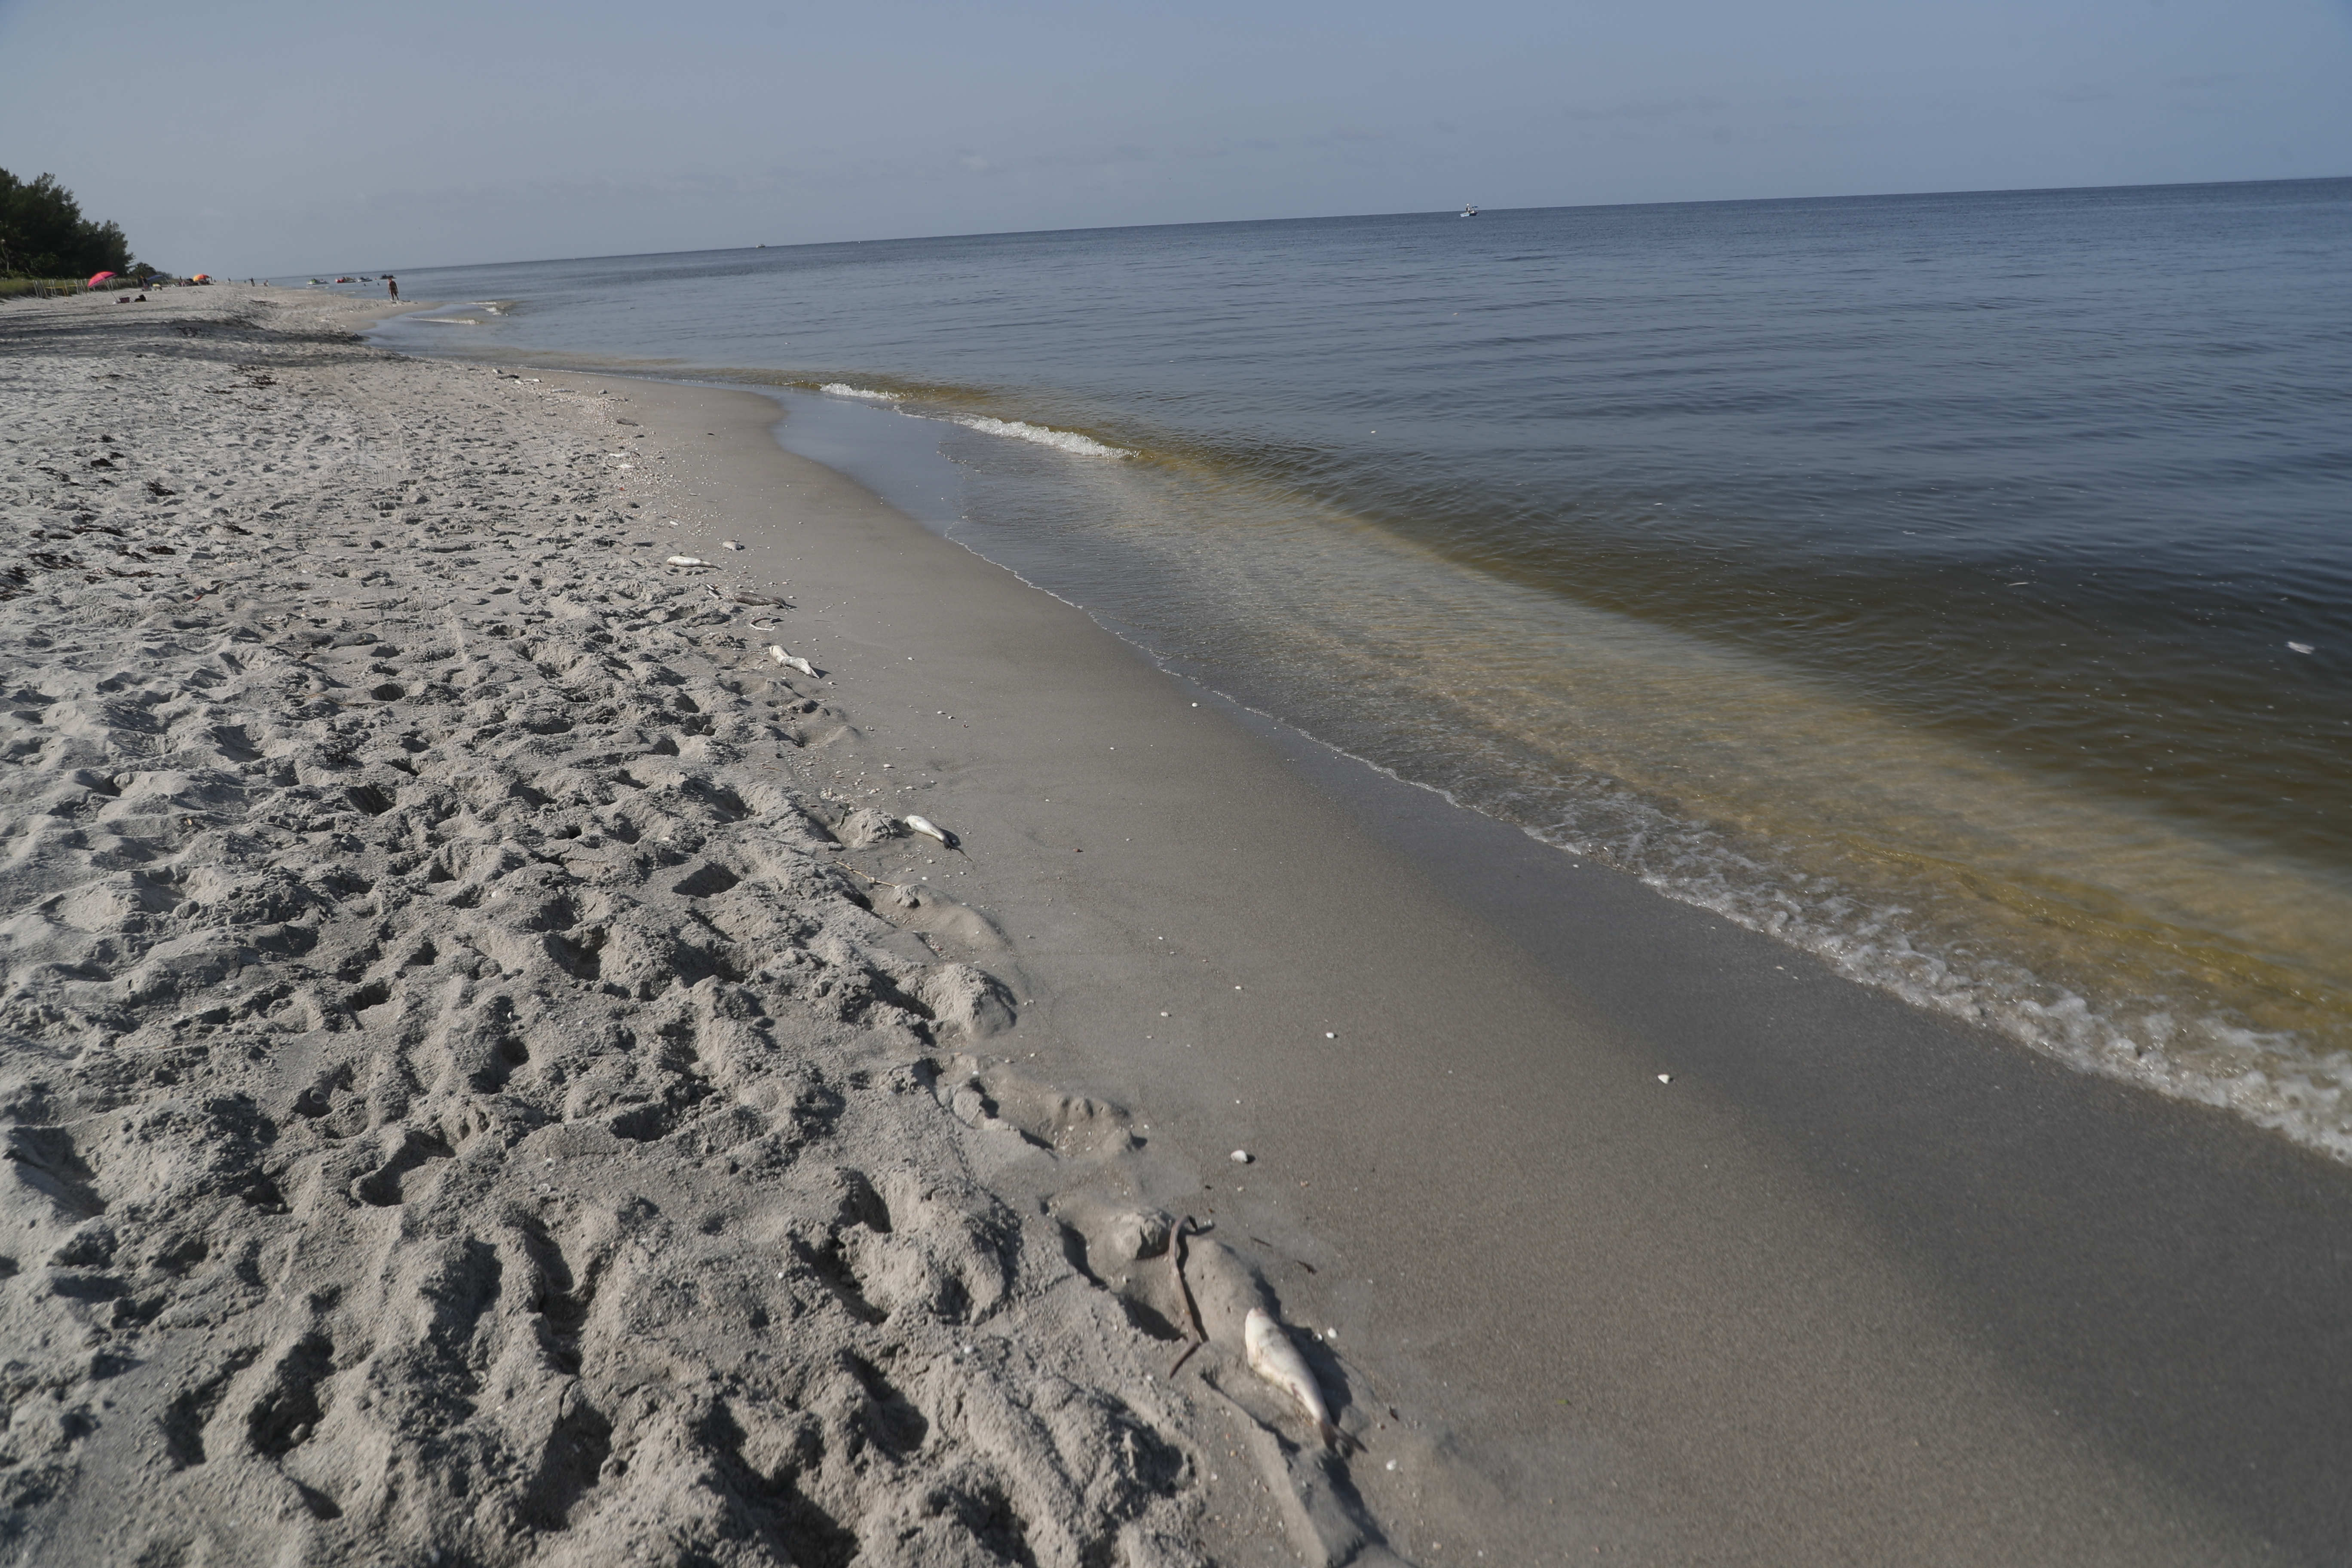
393, 284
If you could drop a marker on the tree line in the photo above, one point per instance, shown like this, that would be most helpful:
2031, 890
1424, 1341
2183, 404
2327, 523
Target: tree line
44, 235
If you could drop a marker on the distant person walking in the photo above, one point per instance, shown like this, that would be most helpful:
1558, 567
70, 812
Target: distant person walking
393, 284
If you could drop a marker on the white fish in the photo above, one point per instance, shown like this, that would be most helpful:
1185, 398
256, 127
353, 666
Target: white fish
687, 561
929, 829
791, 660
1274, 1358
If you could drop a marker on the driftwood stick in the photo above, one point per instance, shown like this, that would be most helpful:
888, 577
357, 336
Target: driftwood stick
845, 866
1184, 1292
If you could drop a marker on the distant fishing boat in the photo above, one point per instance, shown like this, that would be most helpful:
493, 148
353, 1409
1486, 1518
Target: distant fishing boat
1469, 209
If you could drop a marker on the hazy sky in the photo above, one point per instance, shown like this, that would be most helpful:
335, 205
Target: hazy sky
250, 137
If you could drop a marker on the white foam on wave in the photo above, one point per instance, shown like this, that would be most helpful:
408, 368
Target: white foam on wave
843, 389
1060, 440
2186, 1053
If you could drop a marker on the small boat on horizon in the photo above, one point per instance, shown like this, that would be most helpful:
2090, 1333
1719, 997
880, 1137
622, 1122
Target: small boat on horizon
1469, 209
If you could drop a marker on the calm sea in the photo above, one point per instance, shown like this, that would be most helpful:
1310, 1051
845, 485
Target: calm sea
1958, 586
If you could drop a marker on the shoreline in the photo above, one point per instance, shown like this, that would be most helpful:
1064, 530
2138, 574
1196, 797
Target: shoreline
1824, 1297
1898, 1257
2080, 924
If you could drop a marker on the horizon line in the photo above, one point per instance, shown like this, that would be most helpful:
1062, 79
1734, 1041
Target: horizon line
1338, 217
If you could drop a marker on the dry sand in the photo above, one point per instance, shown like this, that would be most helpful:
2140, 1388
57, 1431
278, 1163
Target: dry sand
457, 1111
485, 1085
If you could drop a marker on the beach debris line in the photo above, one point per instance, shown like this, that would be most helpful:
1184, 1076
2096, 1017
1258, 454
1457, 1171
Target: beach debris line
1274, 1358
793, 660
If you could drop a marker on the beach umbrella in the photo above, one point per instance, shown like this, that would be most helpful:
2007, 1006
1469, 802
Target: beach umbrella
202, 277
98, 277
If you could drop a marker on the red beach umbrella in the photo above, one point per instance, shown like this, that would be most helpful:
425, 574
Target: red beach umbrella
96, 278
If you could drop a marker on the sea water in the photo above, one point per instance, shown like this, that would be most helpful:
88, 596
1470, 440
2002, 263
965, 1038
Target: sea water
1958, 586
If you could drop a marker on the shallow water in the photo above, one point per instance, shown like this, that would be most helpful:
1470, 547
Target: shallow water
1924, 579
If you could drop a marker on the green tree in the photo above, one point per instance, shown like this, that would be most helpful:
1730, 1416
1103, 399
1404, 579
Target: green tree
44, 235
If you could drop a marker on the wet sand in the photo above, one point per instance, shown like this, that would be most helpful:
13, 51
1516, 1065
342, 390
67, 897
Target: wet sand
1858, 1285
1855, 1285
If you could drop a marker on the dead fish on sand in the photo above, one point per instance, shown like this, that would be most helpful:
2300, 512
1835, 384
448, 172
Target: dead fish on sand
687, 561
929, 829
1274, 1358
793, 660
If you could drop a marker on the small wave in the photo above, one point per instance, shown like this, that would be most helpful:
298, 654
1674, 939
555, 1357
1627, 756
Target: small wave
448, 320
1061, 440
843, 389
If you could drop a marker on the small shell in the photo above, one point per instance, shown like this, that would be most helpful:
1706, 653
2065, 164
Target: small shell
687, 561
729, 544
1274, 1358
1241, 1156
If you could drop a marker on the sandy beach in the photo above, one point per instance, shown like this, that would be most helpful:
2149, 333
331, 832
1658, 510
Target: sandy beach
490, 1078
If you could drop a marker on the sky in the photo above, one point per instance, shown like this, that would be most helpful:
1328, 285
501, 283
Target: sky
266, 137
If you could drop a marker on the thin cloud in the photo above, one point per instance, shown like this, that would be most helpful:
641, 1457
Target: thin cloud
1646, 109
